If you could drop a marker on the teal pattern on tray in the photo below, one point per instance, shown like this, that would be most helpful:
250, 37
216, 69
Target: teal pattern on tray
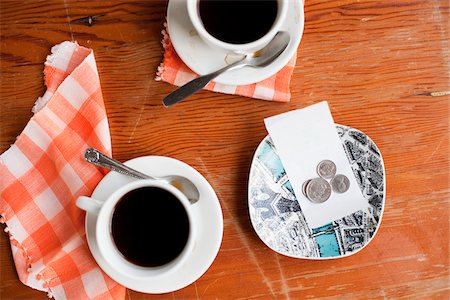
277, 216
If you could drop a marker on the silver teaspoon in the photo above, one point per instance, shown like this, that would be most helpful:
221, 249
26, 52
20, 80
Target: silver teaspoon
186, 186
260, 58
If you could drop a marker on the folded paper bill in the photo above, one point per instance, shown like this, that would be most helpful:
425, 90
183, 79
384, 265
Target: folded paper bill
304, 138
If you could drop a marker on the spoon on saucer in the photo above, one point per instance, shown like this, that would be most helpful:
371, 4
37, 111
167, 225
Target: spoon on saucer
183, 184
260, 58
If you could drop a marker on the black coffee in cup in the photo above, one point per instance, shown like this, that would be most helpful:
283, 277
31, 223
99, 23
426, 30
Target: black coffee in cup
238, 21
150, 226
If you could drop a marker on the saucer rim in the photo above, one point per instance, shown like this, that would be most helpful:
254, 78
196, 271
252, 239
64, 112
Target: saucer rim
142, 285
233, 77
252, 166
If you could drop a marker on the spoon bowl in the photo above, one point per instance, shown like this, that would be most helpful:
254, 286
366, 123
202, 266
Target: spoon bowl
269, 53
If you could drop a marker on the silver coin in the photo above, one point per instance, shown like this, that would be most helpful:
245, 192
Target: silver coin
305, 184
340, 183
318, 190
326, 169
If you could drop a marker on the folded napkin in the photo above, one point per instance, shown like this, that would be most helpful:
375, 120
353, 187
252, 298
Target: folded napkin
43, 173
174, 71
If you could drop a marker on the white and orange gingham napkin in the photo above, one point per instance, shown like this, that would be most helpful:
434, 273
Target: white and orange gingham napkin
43, 173
275, 88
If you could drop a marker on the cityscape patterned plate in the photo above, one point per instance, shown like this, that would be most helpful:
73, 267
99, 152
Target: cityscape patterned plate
279, 222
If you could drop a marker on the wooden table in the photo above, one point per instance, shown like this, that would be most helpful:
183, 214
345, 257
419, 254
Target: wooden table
382, 66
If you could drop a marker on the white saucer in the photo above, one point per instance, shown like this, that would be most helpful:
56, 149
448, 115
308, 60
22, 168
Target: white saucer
203, 59
206, 211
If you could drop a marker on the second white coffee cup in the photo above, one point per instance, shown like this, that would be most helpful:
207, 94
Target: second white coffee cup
112, 206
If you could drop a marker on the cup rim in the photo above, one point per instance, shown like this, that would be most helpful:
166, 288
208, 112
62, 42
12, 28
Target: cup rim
194, 17
105, 215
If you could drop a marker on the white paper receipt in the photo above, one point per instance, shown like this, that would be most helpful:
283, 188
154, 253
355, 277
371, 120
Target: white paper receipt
304, 138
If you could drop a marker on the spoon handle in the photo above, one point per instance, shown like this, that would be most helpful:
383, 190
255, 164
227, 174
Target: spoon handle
97, 158
196, 84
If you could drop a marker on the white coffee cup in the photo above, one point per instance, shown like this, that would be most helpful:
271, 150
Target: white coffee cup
104, 211
194, 15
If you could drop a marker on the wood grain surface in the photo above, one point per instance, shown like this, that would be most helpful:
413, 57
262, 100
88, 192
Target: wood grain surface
375, 62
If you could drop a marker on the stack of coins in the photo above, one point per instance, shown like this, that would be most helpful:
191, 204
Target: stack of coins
318, 190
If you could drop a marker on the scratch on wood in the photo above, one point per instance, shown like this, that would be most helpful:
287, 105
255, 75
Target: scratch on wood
284, 286
120, 33
136, 124
434, 94
381, 263
252, 256
68, 20
207, 287
196, 291
435, 150
212, 179
339, 287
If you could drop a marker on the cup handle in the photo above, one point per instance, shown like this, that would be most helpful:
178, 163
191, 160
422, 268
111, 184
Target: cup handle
89, 205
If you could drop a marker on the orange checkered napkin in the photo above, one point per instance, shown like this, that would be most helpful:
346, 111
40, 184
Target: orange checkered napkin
174, 71
43, 173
